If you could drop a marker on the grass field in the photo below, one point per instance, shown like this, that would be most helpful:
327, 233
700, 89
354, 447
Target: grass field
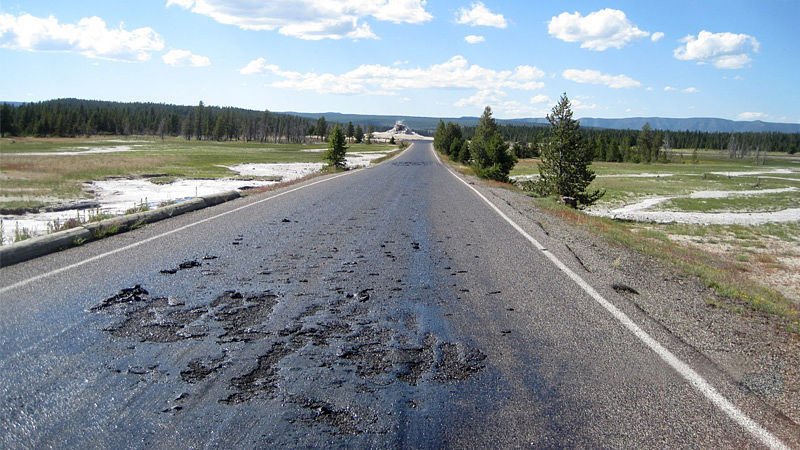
31, 178
758, 265
622, 182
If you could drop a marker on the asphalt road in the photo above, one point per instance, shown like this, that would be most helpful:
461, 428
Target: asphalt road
387, 307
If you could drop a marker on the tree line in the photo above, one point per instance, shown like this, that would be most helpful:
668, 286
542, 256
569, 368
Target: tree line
486, 150
74, 117
622, 145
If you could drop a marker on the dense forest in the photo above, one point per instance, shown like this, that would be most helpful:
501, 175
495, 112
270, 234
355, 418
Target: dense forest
622, 145
72, 117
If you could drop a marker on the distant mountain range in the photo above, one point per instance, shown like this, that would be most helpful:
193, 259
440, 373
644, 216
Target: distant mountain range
692, 124
428, 124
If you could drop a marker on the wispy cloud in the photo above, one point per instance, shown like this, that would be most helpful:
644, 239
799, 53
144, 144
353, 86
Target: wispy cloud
310, 19
89, 37
596, 77
688, 90
501, 105
540, 99
724, 50
185, 58
582, 104
752, 115
599, 31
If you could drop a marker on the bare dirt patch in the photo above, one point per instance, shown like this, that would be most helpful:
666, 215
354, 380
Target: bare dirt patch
773, 262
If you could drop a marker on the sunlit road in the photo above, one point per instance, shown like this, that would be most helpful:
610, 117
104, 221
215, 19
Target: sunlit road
388, 307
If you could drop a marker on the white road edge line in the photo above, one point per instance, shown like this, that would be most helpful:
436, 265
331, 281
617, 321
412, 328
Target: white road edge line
159, 236
689, 374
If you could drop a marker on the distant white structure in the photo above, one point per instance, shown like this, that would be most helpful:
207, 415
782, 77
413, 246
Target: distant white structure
399, 132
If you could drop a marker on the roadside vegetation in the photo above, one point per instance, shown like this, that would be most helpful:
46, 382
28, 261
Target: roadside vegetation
564, 162
487, 152
755, 267
335, 156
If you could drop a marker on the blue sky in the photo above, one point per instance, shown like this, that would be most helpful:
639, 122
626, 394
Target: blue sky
731, 59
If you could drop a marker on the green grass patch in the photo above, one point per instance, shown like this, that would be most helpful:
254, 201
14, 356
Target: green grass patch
162, 161
749, 203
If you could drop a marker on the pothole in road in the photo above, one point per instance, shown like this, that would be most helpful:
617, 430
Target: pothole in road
262, 379
146, 319
201, 368
318, 412
240, 315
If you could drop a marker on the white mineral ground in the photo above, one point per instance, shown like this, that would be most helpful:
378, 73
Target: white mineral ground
117, 196
619, 175
79, 151
641, 211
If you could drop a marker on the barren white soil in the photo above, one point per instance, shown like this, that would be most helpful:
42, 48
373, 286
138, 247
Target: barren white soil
642, 212
79, 151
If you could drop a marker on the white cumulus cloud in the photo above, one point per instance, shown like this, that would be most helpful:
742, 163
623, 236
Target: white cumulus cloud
258, 65
89, 36
309, 19
724, 50
474, 39
478, 15
184, 58
599, 30
657, 36
455, 73
596, 77
481, 98
752, 115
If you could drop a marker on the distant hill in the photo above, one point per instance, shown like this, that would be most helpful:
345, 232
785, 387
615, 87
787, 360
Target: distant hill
428, 124
692, 124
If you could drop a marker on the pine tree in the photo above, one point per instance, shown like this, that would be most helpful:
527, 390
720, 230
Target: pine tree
199, 127
359, 135
490, 154
438, 137
6, 120
350, 131
564, 167
336, 149
646, 143
322, 128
